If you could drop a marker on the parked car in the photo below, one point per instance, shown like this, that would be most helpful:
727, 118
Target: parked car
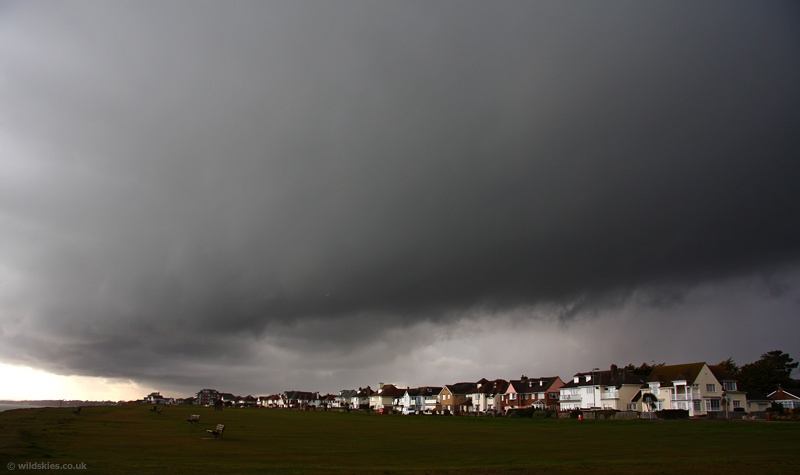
383, 410
407, 411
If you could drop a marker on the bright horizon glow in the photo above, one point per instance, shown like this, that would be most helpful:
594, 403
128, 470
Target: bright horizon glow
23, 383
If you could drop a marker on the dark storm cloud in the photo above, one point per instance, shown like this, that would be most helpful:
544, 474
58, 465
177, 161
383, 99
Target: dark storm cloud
184, 181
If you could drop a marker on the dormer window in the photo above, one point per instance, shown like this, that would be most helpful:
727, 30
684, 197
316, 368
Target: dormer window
576, 379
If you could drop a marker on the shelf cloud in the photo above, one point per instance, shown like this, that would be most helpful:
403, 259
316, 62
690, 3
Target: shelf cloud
314, 194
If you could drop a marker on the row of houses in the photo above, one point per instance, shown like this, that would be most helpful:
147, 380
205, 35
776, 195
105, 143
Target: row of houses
698, 388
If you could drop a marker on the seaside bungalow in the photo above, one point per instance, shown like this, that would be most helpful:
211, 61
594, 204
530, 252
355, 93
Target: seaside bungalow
487, 396
228, 399
385, 397
697, 387
300, 399
281, 401
539, 393
757, 402
785, 398
453, 397
247, 401
361, 399
418, 400
344, 399
157, 398
263, 401
613, 389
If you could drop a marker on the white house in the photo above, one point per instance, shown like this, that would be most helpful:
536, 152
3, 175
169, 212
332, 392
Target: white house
696, 387
612, 389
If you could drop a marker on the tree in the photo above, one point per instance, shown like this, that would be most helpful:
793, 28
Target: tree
643, 370
650, 400
782, 361
730, 366
765, 375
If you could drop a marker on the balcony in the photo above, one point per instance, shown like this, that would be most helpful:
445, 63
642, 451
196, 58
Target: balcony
684, 397
570, 397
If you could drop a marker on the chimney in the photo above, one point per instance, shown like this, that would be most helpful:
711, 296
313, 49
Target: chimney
380, 385
613, 369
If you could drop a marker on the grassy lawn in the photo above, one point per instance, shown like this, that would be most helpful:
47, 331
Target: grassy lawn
133, 439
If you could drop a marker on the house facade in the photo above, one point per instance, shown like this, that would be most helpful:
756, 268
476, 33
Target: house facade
539, 393
207, 397
386, 397
487, 396
454, 399
696, 387
157, 398
613, 389
419, 400
360, 399
344, 399
299, 399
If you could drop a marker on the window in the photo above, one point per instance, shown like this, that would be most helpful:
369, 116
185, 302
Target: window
713, 405
737, 404
729, 386
698, 406
589, 390
631, 407
712, 388
513, 396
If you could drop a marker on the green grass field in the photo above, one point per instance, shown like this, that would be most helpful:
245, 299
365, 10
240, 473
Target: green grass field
133, 439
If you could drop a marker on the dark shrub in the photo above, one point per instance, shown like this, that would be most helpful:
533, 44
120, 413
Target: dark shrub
673, 414
543, 414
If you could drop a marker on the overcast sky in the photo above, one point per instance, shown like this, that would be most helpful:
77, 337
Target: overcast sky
319, 195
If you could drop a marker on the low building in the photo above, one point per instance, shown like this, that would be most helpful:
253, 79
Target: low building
789, 400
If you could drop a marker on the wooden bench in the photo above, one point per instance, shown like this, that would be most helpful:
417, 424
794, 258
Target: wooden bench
194, 418
217, 432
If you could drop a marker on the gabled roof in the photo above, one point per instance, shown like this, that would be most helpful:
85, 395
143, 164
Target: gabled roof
532, 385
364, 392
423, 391
678, 372
498, 386
782, 395
616, 377
300, 395
461, 388
389, 390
